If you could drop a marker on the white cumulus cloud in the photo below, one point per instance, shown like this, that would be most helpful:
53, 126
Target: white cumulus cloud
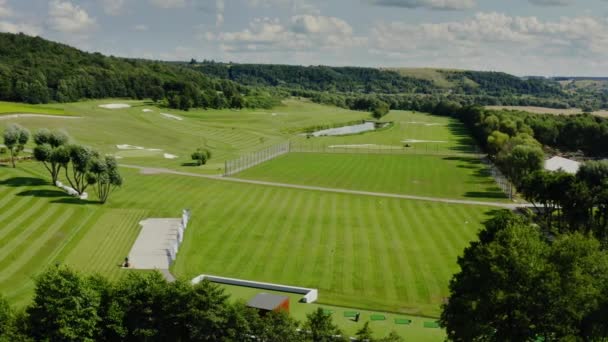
302, 32
66, 17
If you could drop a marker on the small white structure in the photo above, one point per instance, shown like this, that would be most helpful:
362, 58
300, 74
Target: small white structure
558, 163
310, 295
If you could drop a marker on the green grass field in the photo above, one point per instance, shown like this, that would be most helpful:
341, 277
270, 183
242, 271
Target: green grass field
383, 254
380, 254
22, 108
424, 175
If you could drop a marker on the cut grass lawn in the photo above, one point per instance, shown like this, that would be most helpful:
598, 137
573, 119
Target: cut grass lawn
22, 108
413, 330
376, 253
432, 176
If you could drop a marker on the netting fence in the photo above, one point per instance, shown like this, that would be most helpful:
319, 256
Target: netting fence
503, 183
252, 159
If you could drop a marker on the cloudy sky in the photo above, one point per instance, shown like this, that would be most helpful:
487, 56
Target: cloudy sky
524, 37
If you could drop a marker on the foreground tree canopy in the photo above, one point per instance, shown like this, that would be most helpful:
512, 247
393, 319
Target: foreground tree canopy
519, 284
68, 306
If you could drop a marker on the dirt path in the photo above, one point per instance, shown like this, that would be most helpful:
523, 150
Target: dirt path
154, 171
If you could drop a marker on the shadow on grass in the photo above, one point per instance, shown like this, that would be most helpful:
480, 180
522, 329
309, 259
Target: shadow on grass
74, 200
16, 182
486, 194
42, 193
190, 164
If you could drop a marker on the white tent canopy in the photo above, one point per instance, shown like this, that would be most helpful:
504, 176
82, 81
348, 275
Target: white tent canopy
563, 164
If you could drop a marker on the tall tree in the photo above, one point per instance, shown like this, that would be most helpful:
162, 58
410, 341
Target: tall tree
519, 286
64, 308
15, 138
50, 150
81, 158
319, 327
106, 176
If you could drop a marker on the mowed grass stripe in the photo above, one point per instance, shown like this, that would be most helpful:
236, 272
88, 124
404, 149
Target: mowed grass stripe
404, 283
26, 222
107, 241
383, 270
285, 240
28, 248
393, 240
20, 218
241, 255
239, 226
300, 239
414, 253
226, 244
329, 244
434, 265
17, 210
264, 256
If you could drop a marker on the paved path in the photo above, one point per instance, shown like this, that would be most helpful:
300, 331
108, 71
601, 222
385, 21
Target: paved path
152, 171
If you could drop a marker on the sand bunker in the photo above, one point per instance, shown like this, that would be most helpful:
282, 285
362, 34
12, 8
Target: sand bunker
170, 156
171, 116
129, 147
414, 141
147, 110
26, 115
115, 106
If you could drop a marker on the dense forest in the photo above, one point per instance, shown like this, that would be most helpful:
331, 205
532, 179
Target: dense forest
35, 70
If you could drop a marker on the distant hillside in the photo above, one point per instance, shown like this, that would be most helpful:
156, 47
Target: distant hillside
383, 81
35, 70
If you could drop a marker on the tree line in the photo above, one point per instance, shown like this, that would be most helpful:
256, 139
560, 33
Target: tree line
34, 70
68, 306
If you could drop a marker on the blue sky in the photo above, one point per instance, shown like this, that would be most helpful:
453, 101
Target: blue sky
524, 37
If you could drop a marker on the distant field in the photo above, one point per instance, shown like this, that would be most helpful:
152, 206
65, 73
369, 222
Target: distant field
543, 110
432, 134
432, 176
22, 108
228, 133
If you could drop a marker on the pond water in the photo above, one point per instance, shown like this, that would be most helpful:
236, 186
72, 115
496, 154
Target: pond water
353, 129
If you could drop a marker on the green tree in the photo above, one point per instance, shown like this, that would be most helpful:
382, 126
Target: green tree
319, 327
81, 158
105, 176
50, 151
496, 142
380, 109
6, 317
64, 307
201, 156
279, 327
365, 334
519, 286
15, 138
521, 161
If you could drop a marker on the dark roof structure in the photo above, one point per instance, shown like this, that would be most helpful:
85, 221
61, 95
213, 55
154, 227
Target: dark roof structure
266, 301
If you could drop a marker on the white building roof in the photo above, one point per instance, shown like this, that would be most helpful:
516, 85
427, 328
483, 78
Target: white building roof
559, 163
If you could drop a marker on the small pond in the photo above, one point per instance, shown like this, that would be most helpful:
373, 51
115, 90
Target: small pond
352, 129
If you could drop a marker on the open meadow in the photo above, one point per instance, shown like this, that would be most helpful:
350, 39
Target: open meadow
372, 253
